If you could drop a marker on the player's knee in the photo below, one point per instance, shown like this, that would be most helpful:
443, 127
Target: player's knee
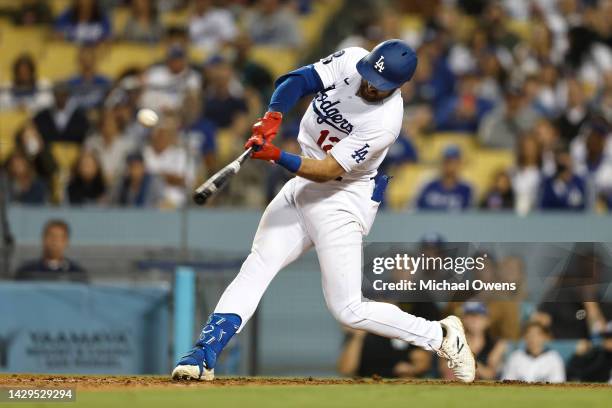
349, 314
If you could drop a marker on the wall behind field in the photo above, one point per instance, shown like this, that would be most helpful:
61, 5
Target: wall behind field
297, 335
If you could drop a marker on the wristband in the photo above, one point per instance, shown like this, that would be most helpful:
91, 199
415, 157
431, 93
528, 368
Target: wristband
291, 162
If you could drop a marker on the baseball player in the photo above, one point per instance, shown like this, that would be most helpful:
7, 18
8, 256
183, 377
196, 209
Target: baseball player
355, 115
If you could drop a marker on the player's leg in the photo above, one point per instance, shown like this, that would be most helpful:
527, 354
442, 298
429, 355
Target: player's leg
340, 255
279, 240
339, 252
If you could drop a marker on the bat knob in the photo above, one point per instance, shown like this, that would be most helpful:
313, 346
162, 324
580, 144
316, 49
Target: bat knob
200, 198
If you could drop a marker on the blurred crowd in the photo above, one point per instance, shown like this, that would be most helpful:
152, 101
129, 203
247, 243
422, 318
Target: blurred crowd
118, 161
532, 78
565, 335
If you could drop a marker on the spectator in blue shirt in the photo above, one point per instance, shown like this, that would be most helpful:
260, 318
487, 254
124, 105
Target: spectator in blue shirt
83, 22
564, 190
448, 192
203, 134
224, 102
138, 188
464, 111
89, 87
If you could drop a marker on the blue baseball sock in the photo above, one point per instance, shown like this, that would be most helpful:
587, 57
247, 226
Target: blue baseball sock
215, 335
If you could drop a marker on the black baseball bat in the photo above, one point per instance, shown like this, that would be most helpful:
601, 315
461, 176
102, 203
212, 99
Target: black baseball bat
218, 180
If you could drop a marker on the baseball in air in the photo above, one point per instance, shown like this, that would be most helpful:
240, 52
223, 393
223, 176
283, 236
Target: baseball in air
147, 117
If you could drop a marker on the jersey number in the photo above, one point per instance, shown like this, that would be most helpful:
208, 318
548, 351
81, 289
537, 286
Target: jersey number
332, 140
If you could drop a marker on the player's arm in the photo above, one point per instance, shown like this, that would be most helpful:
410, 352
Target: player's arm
312, 169
350, 153
289, 89
307, 80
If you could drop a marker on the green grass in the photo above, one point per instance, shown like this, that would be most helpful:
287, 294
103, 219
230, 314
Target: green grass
358, 395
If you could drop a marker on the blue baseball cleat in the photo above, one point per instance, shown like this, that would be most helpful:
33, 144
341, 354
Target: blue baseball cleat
199, 363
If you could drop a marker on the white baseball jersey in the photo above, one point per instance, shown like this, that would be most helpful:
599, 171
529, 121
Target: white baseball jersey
355, 132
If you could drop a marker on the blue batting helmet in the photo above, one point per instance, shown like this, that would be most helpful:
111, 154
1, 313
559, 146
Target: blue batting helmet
388, 65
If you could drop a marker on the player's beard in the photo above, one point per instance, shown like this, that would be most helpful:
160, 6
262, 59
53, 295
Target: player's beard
371, 94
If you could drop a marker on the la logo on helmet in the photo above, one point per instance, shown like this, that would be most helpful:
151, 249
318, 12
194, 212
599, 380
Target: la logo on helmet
380, 64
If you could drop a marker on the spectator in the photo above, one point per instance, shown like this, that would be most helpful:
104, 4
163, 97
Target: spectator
592, 363
464, 111
365, 354
124, 101
505, 309
575, 113
251, 73
25, 91
164, 159
210, 27
173, 85
138, 188
592, 154
110, 146
535, 363
89, 87
53, 264
202, 134
488, 350
143, 24
24, 186
87, 184
547, 136
32, 12
29, 142
224, 102
500, 195
271, 23
83, 22
569, 307
527, 176
63, 121
502, 126
565, 190
447, 192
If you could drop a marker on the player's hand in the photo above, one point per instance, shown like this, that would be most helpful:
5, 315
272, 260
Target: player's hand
255, 141
266, 151
267, 127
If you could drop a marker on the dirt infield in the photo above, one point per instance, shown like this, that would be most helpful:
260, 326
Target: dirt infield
123, 382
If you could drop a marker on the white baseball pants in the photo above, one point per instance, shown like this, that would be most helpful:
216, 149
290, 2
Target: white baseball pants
333, 217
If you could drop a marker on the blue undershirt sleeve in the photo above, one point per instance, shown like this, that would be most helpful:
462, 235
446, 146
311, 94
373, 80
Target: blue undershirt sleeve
293, 86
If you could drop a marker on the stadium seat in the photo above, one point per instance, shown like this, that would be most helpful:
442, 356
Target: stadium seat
482, 166
119, 18
311, 23
58, 6
520, 28
10, 122
278, 60
228, 147
122, 56
175, 18
17, 40
406, 183
65, 153
411, 22
58, 60
432, 147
